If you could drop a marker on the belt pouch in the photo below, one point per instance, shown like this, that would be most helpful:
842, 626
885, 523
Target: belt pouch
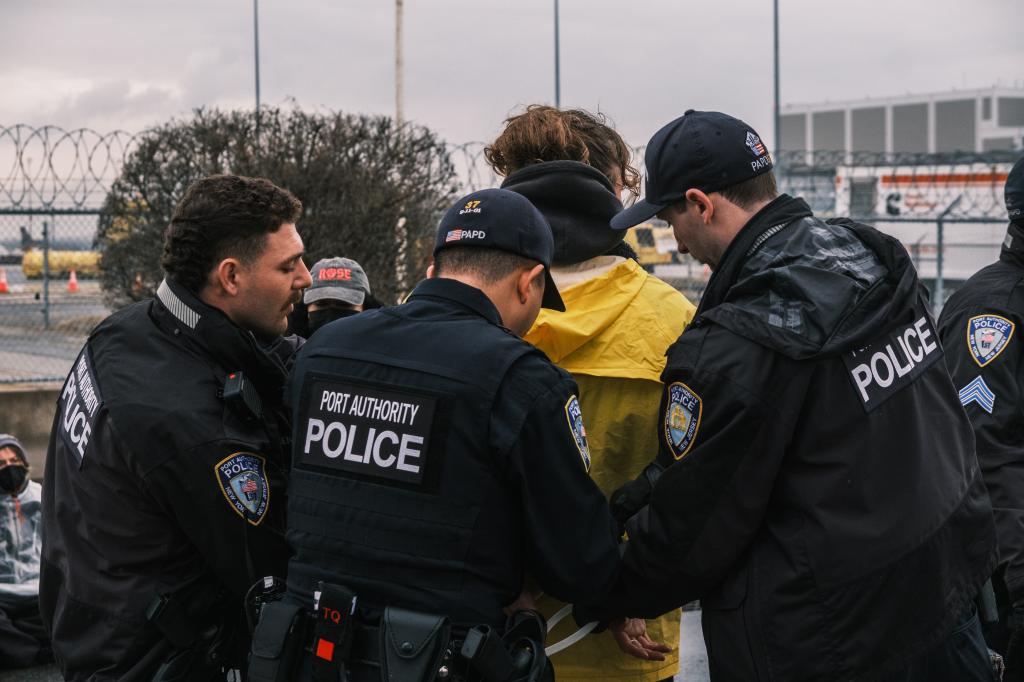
276, 643
332, 632
486, 654
412, 645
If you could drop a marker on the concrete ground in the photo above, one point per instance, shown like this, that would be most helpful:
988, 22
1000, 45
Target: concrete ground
693, 666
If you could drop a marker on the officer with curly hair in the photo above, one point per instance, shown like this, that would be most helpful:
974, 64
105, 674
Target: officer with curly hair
164, 488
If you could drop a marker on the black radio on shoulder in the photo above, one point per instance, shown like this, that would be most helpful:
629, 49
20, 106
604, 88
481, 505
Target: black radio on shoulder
241, 396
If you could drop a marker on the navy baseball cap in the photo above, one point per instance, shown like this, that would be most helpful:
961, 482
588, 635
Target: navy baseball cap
1014, 193
705, 150
503, 220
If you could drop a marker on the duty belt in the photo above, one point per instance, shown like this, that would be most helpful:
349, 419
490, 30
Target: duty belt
336, 646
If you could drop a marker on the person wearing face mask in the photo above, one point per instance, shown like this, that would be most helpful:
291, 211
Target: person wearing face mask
23, 639
340, 289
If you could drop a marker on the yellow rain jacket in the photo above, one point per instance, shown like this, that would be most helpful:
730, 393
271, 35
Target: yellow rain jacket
612, 338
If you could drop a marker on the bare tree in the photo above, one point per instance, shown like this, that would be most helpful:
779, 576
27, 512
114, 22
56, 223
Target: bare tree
356, 177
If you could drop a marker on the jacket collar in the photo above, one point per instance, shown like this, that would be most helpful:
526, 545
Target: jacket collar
1013, 246
452, 291
208, 329
770, 220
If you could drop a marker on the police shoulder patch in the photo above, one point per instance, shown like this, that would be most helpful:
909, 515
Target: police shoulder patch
242, 478
574, 415
987, 337
682, 418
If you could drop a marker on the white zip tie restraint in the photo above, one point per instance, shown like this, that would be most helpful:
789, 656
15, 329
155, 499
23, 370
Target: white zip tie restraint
571, 639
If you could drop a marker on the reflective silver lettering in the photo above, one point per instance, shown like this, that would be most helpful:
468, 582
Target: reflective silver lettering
351, 442
862, 376
343, 439
406, 452
387, 461
901, 371
314, 431
915, 354
83, 440
923, 333
882, 358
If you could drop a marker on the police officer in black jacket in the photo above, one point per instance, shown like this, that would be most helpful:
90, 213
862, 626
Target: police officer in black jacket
163, 497
820, 492
438, 457
980, 329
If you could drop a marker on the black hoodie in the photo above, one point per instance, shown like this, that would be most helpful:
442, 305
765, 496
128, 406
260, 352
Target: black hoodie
821, 495
578, 201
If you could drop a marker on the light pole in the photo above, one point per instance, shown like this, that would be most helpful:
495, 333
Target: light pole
778, 141
399, 113
256, 45
558, 76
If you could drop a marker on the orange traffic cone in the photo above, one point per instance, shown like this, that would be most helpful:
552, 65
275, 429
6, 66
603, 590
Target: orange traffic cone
4, 289
73, 283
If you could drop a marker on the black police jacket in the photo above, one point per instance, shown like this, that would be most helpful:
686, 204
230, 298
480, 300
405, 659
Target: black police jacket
437, 458
980, 327
155, 486
822, 497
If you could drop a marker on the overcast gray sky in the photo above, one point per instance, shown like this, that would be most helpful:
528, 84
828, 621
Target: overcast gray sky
128, 64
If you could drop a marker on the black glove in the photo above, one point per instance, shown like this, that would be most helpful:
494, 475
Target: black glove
635, 495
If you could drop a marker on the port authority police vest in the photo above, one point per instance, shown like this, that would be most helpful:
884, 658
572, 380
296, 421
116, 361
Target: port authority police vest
396, 489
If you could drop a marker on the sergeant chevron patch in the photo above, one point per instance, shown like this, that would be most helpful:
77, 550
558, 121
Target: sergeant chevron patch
987, 337
977, 391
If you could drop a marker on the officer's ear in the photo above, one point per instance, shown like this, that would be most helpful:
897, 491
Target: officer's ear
703, 203
226, 276
529, 279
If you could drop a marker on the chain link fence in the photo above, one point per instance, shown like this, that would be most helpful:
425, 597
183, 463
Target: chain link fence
947, 209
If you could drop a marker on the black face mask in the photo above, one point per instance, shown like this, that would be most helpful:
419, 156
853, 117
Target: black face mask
319, 318
12, 478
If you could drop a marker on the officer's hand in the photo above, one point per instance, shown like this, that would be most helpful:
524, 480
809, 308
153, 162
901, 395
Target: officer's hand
631, 636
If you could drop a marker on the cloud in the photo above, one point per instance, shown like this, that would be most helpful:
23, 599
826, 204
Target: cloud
468, 64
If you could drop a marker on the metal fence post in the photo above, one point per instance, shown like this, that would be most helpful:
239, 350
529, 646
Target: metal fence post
939, 239
46, 274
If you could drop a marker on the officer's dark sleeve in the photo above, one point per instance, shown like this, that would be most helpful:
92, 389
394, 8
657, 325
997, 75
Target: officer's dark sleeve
999, 434
570, 535
707, 507
238, 548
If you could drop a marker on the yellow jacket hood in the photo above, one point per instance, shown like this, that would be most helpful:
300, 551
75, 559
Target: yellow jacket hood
616, 324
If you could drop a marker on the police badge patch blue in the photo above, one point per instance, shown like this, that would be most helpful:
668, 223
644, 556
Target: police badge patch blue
987, 337
682, 418
243, 480
574, 415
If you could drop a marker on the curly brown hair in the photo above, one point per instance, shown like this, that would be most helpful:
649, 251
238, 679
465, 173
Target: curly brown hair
221, 216
544, 133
